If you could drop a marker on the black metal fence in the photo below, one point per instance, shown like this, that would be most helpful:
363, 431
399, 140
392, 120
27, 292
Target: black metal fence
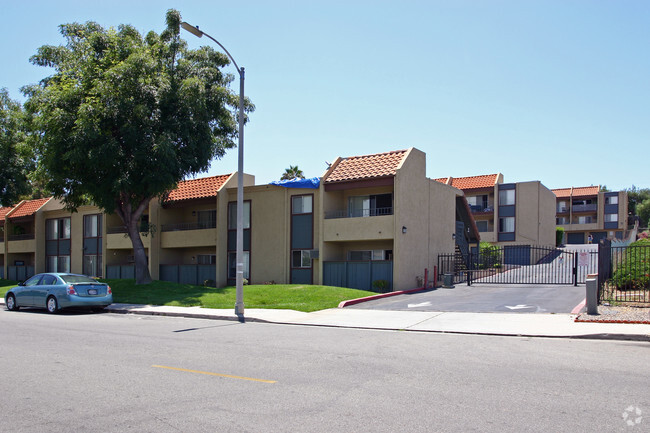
520, 264
624, 273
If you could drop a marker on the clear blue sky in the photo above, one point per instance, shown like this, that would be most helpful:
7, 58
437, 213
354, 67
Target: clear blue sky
556, 91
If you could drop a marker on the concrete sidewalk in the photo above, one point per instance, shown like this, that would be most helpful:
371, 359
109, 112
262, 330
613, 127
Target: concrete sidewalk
503, 324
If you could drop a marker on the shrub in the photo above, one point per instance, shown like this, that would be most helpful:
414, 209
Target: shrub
633, 272
381, 285
490, 255
209, 283
559, 236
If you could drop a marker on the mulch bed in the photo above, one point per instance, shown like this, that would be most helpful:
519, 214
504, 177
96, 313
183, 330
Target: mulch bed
616, 314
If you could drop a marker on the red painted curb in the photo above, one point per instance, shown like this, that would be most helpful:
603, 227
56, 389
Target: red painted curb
380, 296
579, 307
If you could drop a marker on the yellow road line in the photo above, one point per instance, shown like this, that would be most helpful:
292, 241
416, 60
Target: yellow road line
214, 374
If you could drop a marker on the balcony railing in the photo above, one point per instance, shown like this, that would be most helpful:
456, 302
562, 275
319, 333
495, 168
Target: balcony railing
358, 213
22, 237
188, 226
585, 208
477, 208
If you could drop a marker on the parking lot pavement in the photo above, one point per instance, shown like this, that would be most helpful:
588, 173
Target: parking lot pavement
485, 298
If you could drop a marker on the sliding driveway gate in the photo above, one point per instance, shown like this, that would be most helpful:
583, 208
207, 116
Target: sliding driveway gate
522, 264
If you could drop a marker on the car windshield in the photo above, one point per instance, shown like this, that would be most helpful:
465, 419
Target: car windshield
76, 279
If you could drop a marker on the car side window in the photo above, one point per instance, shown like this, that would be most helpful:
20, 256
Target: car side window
33, 281
48, 280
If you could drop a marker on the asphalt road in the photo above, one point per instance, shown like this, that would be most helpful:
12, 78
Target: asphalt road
119, 373
486, 298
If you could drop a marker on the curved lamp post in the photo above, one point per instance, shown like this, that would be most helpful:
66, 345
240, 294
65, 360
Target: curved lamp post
239, 304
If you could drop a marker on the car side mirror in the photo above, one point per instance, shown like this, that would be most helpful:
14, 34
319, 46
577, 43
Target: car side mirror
22, 283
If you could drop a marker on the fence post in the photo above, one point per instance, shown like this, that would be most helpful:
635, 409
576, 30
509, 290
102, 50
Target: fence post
575, 268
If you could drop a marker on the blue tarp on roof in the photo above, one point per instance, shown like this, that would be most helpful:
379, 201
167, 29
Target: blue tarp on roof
313, 183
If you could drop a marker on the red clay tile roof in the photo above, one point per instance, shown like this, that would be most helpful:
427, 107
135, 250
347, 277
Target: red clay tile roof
28, 207
367, 166
4, 211
471, 182
582, 191
198, 188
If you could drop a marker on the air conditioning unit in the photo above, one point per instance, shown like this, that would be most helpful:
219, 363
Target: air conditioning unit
313, 254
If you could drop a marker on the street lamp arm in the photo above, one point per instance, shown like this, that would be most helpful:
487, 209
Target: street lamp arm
196, 32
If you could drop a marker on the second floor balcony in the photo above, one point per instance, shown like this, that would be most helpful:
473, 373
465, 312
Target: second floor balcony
358, 213
188, 226
584, 208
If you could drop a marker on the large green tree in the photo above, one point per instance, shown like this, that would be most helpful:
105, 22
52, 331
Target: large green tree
14, 159
125, 117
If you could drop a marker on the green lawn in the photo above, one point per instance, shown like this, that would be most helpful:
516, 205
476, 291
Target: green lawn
279, 296
6, 285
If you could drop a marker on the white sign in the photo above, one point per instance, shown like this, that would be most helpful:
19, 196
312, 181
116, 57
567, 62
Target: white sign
583, 258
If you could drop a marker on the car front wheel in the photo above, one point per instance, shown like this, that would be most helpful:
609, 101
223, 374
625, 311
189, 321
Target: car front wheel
11, 303
51, 305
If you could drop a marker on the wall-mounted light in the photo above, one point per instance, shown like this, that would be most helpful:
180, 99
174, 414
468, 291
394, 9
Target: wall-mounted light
453, 236
404, 229
193, 258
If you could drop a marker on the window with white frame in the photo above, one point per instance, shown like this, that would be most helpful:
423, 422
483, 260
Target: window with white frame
206, 259
611, 199
300, 259
611, 218
507, 225
301, 204
506, 197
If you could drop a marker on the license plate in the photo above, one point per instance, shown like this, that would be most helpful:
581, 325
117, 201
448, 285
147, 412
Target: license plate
92, 291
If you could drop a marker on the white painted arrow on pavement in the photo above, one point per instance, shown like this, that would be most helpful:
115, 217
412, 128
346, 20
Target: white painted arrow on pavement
520, 307
423, 304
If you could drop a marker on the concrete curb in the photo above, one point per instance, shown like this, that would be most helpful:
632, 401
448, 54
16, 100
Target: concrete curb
318, 320
349, 302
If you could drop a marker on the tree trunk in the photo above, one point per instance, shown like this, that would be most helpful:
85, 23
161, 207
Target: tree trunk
142, 275
131, 219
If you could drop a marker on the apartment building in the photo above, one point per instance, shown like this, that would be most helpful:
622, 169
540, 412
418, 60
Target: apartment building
368, 218
585, 211
520, 213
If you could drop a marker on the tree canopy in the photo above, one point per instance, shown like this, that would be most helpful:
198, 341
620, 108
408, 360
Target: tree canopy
14, 153
126, 116
293, 172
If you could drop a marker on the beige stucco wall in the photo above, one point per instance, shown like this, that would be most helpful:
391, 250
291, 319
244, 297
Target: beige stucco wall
270, 232
535, 215
354, 229
411, 203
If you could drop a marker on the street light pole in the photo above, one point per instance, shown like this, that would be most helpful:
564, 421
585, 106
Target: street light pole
239, 304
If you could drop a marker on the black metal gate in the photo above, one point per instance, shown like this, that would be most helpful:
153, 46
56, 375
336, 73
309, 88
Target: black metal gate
521, 264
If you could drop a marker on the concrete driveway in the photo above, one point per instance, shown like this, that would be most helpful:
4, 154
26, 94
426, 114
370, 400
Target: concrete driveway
485, 298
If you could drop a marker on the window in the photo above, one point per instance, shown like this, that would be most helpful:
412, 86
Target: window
611, 200
207, 219
92, 260
506, 197
57, 229
58, 264
47, 280
206, 259
482, 226
92, 226
562, 206
611, 218
370, 205
300, 259
584, 220
301, 204
366, 255
232, 265
507, 225
232, 215
561, 221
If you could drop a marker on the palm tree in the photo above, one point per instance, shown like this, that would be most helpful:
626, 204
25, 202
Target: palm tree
293, 172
